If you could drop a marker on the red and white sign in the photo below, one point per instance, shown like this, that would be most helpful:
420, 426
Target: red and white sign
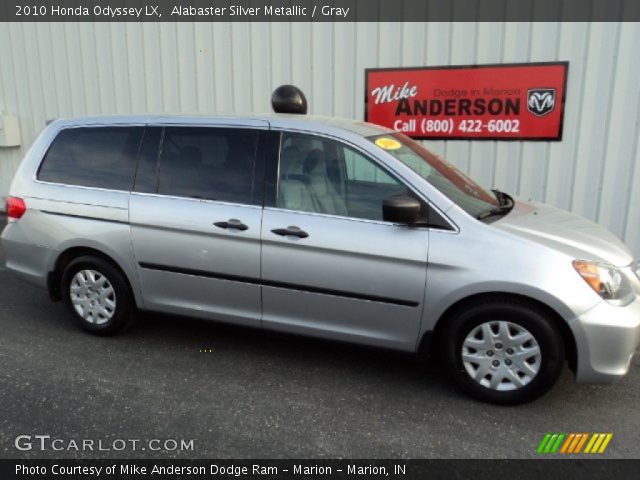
500, 102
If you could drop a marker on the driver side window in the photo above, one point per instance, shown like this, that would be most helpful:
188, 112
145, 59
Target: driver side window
325, 176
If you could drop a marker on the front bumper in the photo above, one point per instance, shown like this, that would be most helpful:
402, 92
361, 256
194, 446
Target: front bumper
606, 339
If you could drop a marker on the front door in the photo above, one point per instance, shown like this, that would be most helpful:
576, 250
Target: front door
330, 266
195, 222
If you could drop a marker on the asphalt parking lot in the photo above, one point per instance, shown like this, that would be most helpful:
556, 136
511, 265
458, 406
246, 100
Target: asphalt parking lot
264, 395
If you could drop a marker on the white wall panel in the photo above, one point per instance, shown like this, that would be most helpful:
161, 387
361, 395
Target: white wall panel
482, 158
300, 61
622, 136
153, 78
168, 74
596, 113
562, 155
53, 70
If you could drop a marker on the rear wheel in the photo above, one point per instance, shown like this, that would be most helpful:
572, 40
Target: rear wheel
505, 353
97, 295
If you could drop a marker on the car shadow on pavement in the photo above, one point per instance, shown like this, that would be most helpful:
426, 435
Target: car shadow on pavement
299, 357
305, 353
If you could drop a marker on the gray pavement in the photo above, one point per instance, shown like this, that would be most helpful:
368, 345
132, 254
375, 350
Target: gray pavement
262, 395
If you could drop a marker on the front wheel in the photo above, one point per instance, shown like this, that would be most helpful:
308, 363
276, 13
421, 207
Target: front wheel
503, 352
97, 295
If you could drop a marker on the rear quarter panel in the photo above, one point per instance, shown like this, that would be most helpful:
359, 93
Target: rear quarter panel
60, 217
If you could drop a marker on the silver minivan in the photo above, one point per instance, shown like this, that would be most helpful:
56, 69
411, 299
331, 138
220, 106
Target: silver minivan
318, 226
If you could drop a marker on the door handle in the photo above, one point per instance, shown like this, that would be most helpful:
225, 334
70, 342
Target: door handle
290, 231
232, 224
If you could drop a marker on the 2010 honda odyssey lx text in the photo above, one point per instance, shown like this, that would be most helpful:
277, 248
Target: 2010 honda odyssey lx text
325, 227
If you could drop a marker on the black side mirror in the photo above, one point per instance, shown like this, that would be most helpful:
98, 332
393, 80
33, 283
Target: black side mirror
400, 209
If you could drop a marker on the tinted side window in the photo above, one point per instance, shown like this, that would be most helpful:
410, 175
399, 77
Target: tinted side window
325, 176
208, 163
102, 157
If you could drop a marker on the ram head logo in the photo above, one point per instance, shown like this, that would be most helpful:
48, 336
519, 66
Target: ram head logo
541, 101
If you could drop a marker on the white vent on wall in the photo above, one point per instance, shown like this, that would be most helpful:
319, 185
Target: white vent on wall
9, 130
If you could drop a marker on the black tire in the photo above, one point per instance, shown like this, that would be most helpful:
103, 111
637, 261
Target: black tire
530, 317
123, 315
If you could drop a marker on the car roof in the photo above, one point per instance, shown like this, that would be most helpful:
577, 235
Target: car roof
311, 123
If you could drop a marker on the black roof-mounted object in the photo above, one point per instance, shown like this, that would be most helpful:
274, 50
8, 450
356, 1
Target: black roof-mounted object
289, 99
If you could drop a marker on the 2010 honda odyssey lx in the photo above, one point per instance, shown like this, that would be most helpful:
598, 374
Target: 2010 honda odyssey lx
325, 227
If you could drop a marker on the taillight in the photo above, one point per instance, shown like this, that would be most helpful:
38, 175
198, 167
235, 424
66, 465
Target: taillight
16, 208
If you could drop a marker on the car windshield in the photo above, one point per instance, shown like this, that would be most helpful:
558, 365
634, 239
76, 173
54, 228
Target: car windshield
473, 198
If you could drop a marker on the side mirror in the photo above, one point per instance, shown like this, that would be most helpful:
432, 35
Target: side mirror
400, 209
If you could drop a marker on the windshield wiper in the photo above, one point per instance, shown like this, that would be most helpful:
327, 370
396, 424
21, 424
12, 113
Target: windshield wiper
503, 198
495, 212
506, 204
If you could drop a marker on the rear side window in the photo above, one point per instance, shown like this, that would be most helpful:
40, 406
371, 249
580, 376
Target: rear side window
208, 163
101, 157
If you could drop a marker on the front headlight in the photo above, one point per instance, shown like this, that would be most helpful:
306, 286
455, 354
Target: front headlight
607, 281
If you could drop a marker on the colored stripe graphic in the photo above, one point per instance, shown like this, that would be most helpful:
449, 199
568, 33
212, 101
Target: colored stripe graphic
604, 445
598, 443
573, 443
543, 443
581, 443
551, 442
556, 445
591, 443
567, 442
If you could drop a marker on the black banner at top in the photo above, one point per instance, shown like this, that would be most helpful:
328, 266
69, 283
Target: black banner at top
319, 10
